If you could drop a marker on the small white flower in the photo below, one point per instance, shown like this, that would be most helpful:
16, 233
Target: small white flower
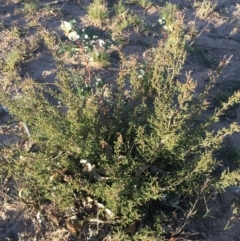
162, 21
66, 26
83, 161
73, 36
39, 217
101, 42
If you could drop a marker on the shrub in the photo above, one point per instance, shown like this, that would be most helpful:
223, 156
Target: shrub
134, 149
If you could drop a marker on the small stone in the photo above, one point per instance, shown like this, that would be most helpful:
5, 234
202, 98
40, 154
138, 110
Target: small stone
231, 114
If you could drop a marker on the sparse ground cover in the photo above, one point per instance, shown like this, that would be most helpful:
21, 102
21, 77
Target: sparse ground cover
119, 120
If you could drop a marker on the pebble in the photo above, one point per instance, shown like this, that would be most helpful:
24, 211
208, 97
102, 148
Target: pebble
231, 114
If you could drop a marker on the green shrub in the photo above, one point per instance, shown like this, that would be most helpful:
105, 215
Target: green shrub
131, 146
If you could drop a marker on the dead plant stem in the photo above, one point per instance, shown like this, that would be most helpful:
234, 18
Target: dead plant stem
193, 208
87, 62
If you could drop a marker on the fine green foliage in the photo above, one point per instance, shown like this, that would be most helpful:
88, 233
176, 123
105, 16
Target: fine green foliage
98, 12
133, 145
204, 8
120, 7
101, 58
30, 7
124, 21
12, 59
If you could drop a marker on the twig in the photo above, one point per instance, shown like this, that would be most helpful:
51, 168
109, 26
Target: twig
58, 155
26, 128
102, 98
199, 34
6, 195
86, 60
192, 209
183, 236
